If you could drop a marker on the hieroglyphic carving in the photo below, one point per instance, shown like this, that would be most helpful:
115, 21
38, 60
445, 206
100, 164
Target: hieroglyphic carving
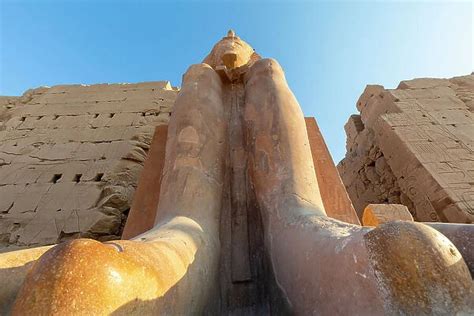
427, 124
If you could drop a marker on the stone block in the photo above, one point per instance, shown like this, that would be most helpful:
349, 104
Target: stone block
424, 94
377, 214
453, 116
13, 123
424, 83
121, 119
427, 143
9, 195
86, 196
353, 127
98, 169
91, 151
56, 152
375, 107
106, 87
118, 149
442, 103
29, 197
369, 92
97, 222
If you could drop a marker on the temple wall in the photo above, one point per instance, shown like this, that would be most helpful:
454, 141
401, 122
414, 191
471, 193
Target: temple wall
70, 157
414, 145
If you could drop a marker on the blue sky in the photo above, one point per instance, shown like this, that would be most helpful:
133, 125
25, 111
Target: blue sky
329, 50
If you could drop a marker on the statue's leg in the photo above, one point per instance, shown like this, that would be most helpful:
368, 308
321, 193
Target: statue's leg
324, 266
170, 269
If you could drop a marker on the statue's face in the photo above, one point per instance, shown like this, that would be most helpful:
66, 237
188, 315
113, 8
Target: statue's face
231, 52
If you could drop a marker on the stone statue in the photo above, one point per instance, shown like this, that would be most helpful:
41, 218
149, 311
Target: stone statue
238, 153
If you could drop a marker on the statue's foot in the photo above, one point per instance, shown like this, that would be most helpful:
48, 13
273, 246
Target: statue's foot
166, 269
328, 267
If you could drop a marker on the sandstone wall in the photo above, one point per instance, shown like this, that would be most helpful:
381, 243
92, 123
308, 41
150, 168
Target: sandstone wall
70, 157
414, 145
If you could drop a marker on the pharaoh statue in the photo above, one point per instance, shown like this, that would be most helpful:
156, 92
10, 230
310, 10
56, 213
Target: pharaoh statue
237, 154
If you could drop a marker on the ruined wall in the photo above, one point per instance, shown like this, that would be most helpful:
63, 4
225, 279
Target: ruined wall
70, 157
414, 145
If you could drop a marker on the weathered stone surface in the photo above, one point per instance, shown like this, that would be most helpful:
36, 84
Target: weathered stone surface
70, 157
462, 236
141, 217
376, 214
414, 145
335, 199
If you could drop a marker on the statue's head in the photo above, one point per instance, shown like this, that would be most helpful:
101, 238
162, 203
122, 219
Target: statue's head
231, 52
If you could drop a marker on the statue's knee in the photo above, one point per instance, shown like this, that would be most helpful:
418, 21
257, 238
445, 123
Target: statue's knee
266, 67
267, 64
198, 72
413, 261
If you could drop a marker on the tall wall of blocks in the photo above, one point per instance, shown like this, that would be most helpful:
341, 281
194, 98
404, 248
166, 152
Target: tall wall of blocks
414, 145
70, 157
